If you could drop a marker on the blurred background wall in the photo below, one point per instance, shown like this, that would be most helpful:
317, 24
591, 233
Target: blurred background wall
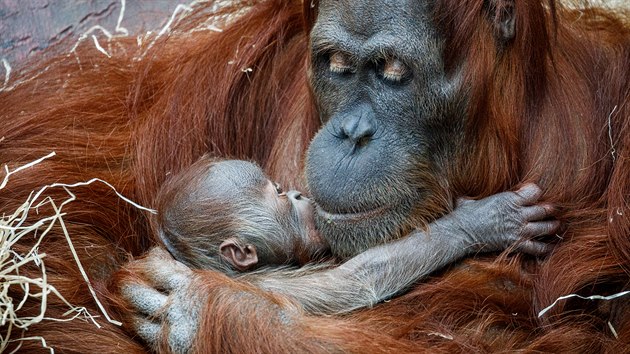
30, 26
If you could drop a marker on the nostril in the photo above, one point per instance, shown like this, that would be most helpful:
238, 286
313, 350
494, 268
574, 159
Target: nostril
362, 135
295, 195
359, 129
363, 141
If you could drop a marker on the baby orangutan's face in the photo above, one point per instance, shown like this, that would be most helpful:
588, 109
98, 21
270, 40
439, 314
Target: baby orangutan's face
277, 227
292, 205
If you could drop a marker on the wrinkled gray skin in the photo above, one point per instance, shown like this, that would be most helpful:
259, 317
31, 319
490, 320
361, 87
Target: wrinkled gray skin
491, 224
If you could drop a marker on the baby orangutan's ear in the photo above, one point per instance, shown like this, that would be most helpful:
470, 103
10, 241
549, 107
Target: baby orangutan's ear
242, 257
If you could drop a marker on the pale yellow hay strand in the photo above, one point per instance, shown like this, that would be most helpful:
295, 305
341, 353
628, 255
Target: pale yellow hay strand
592, 297
13, 228
7, 74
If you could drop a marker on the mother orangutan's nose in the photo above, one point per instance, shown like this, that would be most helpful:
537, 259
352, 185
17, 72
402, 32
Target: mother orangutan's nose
359, 126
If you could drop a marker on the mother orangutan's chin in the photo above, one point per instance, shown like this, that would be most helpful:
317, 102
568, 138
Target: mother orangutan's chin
351, 233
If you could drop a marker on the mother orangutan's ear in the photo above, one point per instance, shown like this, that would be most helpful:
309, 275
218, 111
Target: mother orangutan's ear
502, 14
242, 257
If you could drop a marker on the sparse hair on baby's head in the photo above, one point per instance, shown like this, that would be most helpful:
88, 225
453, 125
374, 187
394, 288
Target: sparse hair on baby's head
211, 201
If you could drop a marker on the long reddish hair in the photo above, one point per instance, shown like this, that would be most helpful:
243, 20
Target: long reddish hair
550, 107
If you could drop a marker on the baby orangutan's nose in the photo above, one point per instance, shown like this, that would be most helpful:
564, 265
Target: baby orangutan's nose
294, 195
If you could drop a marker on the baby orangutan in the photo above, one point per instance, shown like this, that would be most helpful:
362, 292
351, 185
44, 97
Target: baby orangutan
227, 216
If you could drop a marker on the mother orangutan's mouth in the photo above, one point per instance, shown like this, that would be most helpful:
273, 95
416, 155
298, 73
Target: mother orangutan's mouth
351, 217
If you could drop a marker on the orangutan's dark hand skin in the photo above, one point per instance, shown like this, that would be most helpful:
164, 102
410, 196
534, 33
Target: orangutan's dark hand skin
495, 223
165, 304
500, 221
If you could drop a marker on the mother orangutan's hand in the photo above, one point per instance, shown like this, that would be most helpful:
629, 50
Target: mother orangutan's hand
166, 307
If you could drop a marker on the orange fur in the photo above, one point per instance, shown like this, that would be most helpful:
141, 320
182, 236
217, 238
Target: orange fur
543, 109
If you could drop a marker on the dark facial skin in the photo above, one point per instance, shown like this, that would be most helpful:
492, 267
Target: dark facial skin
379, 154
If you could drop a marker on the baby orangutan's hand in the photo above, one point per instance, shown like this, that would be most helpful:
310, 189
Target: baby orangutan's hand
502, 220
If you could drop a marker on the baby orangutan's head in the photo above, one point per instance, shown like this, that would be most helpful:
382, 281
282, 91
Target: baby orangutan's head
227, 215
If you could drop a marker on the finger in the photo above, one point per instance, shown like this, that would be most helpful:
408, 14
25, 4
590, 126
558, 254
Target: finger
541, 228
168, 277
164, 272
529, 193
537, 212
143, 298
159, 253
534, 248
147, 330
181, 337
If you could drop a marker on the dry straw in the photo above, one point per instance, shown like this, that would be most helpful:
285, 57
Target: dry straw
20, 223
13, 228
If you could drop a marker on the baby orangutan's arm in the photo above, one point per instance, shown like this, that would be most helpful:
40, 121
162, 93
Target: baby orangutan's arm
490, 224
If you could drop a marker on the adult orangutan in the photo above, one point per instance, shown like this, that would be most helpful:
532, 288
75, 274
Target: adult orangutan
432, 100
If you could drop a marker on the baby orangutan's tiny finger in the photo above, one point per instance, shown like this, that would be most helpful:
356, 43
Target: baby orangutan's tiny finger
541, 228
529, 193
534, 248
537, 212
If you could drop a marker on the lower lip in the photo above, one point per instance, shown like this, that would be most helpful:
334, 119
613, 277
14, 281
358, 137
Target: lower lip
351, 217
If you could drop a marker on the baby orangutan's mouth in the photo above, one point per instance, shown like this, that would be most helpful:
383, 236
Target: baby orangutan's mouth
351, 217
